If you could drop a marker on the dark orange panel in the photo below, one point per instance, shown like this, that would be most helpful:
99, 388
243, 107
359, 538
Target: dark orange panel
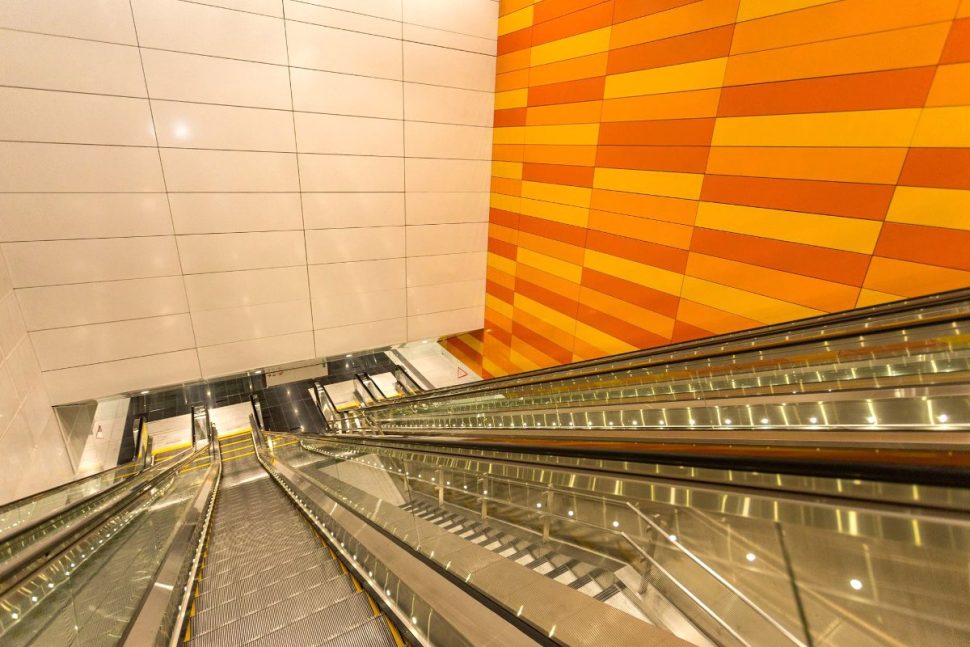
655, 231
546, 297
500, 291
698, 46
620, 328
510, 117
666, 132
539, 341
515, 41
503, 218
502, 248
506, 186
676, 105
567, 92
557, 284
569, 234
514, 80
586, 112
870, 201
501, 278
646, 206
577, 22
573, 155
582, 67
630, 9
561, 338
552, 9
551, 247
683, 331
558, 174
668, 258
957, 47
829, 264
929, 245
947, 168
684, 159
638, 295
869, 91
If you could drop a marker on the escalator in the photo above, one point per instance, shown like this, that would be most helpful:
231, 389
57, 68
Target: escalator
806, 484
267, 577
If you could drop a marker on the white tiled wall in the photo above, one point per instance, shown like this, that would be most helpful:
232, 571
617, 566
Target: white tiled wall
35, 455
191, 189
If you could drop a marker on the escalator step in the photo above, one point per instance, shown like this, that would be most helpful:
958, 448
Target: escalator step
609, 591
291, 623
284, 592
373, 633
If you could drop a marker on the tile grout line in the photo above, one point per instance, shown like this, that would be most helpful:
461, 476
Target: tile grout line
299, 180
404, 181
168, 197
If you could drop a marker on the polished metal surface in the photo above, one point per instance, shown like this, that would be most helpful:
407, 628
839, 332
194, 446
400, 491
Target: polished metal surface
267, 578
560, 612
882, 377
858, 560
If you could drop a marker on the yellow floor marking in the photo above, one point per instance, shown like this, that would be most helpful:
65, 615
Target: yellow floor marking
236, 432
171, 448
226, 460
244, 440
237, 450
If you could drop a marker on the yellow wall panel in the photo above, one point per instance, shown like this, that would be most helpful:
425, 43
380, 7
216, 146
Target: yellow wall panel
951, 86
686, 19
499, 306
505, 202
608, 344
762, 160
949, 127
571, 134
515, 21
501, 263
698, 75
887, 128
746, 304
932, 207
575, 195
663, 183
564, 213
646, 275
547, 314
511, 170
751, 9
849, 234
511, 99
555, 266
573, 47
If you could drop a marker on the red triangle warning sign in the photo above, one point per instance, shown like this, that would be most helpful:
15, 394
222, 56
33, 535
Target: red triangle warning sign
462, 373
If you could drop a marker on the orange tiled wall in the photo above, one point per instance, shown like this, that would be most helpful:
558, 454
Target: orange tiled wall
671, 169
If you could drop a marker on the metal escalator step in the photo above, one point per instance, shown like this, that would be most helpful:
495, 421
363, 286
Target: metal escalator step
609, 591
244, 565
283, 592
373, 633
263, 546
266, 573
323, 626
300, 621
561, 569
583, 580
308, 574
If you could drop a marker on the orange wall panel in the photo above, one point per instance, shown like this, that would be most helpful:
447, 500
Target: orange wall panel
686, 168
